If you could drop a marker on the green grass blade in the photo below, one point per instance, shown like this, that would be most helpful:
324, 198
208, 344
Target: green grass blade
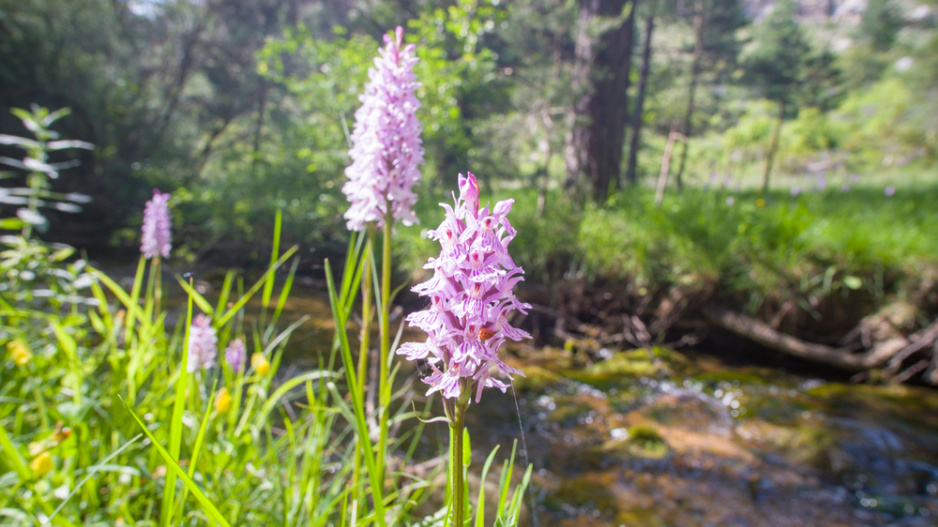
352, 257
286, 387
250, 292
505, 478
175, 426
199, 438
135, 295
284, 335
285, 292
207, 506
514, 513
117, 290
225, 291
357, 405
90, 472
480, 503
269, 282
12, 456
200, 300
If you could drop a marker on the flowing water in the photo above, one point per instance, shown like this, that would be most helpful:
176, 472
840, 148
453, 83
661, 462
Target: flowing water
666, 438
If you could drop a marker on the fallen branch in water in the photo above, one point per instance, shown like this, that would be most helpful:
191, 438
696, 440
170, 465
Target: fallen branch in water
918, 341
843, 358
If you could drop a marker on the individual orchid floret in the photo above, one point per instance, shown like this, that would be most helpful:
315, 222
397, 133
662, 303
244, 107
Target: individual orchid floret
155, 238
202, 344
235, 356
471, 297
386, 146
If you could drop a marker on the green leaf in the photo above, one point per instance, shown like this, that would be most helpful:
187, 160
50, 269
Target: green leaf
853, 282
175, 426
466, 448
11, 224
480, 503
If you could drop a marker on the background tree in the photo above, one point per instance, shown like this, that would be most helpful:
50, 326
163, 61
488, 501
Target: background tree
603, 60
776, 65
715, 50
631, 176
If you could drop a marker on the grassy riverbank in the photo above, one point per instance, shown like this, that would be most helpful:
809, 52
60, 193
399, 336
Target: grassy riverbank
838, 252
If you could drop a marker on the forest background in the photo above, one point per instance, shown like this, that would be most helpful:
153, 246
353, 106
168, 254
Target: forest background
797, 141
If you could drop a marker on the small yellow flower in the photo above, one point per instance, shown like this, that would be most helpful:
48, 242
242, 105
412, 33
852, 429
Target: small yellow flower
41, 464
260, 364
760, 203
222, 401
19, 352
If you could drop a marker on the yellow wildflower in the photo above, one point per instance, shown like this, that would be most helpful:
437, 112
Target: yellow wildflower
260, 364
760, 203
41, 464
19, 352
222, 401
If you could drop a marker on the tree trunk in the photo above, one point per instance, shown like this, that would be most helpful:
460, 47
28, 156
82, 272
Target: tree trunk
631, 177
595, 147
577, 140
666, 164
773, 147
692, 90
258, 128
544, 147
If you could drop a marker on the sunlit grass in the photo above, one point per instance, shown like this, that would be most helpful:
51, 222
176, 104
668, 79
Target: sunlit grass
220, 447
818, 243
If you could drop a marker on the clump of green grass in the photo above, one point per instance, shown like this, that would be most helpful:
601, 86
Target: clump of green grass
101, 420
859, 244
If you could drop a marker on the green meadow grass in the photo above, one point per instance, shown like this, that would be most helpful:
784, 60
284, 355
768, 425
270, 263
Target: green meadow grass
102, 424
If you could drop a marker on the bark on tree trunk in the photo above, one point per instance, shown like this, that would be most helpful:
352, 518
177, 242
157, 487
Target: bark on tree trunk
773, 147
692, 90
577, 140
631, 177
595, 147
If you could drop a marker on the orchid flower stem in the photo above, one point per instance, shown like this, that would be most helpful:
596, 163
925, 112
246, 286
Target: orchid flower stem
384, 383
157, 284
456, 463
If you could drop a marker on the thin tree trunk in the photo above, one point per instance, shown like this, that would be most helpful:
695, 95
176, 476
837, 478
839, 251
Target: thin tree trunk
691, 96
206, 152
544, 146
773, 147
261, 110
174, 91
548, 130
631, 177
666, 163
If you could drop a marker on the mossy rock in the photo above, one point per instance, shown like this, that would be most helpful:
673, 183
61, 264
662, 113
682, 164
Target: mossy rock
568, 411
645, 516
536, 379
588, 490
642, 441
621, 367
813, 445
735, 377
